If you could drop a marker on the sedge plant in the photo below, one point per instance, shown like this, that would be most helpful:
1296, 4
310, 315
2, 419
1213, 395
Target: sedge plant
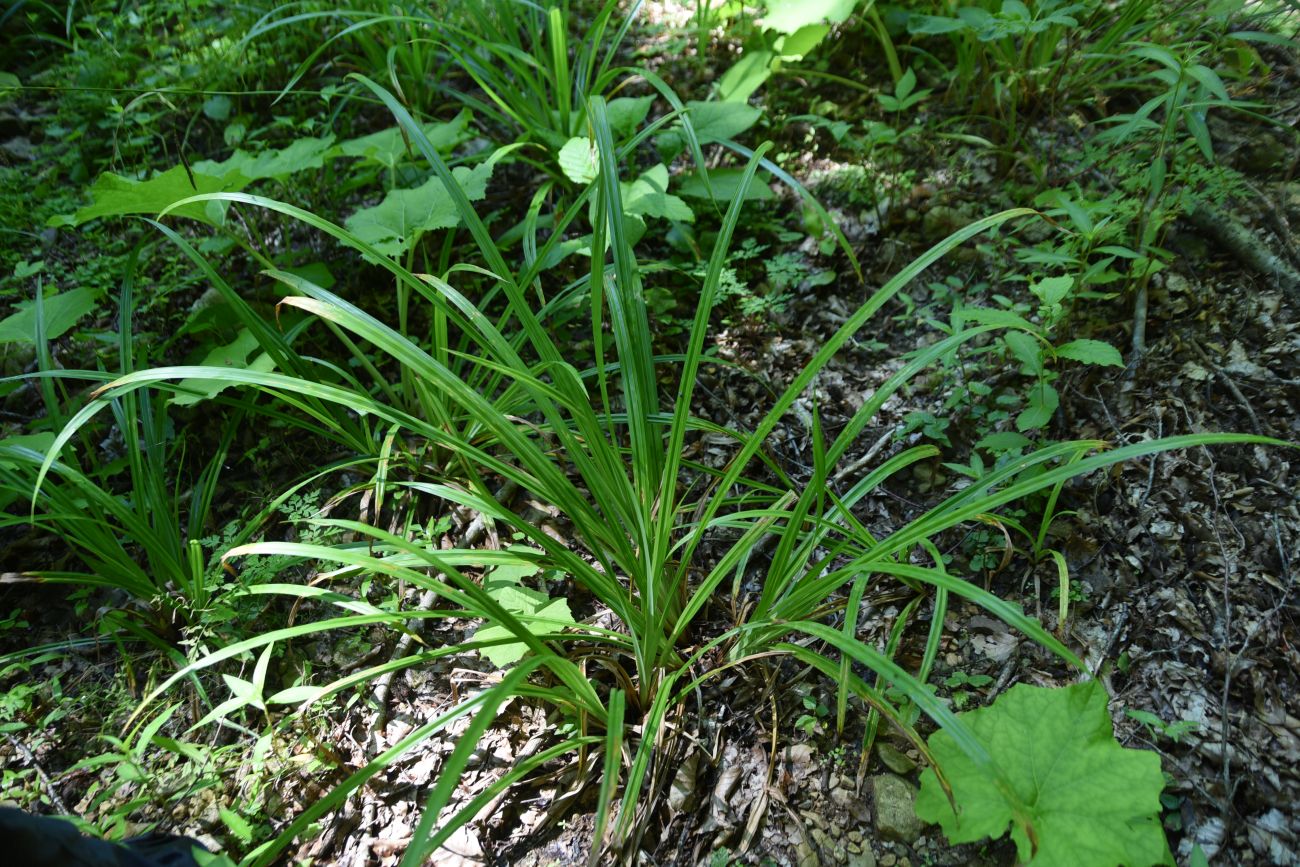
602, 447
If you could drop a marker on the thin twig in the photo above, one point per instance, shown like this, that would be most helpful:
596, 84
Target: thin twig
40, 772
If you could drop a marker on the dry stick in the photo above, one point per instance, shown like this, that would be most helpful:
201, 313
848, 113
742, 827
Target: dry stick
1225, 695
383, 686
1232, 386
473, 533
1139, 342
40, 772
1275, 216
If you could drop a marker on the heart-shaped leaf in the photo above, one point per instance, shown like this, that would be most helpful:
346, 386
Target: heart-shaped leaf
1073, 795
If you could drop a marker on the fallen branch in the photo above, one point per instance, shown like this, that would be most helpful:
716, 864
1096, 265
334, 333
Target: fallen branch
1249, 249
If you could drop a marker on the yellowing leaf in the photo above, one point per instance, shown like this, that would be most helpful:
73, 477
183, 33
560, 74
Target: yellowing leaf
1074, 797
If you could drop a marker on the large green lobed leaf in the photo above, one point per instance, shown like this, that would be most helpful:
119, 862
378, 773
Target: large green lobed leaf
1076, 797
392, 226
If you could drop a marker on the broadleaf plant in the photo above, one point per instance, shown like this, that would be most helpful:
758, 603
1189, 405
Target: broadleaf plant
1069, 792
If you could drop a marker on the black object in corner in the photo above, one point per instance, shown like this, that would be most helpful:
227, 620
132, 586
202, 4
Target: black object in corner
39, 841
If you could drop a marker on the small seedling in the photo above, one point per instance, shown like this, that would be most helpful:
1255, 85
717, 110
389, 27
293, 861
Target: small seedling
1154, 725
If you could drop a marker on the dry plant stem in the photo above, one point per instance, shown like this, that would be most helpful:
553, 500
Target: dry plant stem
340, 827
383, 686
1155, 461
1231, 386
1275, 215
861, 462
473, 533
40, 772
1139, 345
1229, 574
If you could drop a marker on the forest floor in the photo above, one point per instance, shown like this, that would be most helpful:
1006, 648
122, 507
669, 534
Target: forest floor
1182, 568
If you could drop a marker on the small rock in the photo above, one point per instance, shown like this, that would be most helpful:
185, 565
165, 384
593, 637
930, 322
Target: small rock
862, 859
842, 796
889, 859
894, 758
896, 818
805, 855
20, 148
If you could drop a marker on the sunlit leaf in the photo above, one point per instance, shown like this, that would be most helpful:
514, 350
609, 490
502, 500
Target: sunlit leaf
389, 147
393, 225
787, 16
577, 160
1076, 796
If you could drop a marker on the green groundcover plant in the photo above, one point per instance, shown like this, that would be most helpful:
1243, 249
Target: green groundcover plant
653, 537
1068, 791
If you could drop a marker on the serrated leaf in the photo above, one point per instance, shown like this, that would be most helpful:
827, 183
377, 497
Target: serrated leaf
298, 156
1091, 352
1052, 290
509, 575
61, 312
238, 826
787, 16
114, 196
1026, 349
233, 355
987, 316
539, 614
578, 160
392, 225
1074, 796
